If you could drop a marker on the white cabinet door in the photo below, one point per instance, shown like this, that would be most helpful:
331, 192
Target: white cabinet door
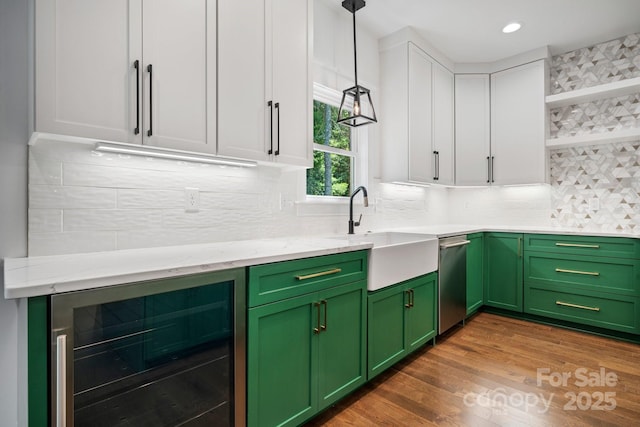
85, 79
421, 158
138, 71
443, 146
472, 122
289, 29
518, 125
179, 67
243, 113
264, 90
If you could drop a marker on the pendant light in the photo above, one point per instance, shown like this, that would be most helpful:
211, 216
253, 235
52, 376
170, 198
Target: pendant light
356, 100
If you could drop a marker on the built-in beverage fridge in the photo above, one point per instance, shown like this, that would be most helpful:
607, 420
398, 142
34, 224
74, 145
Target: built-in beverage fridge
167, 352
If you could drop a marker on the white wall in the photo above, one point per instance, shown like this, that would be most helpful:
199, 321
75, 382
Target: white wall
14, 123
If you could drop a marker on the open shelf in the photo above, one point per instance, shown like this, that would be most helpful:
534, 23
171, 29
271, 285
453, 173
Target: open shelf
594, 139
607, 90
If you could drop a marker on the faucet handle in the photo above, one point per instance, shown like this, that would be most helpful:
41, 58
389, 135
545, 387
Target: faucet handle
357, 223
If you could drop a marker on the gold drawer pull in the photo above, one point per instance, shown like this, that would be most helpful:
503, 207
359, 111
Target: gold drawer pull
584, 307
322, 273
586, 273
577, 245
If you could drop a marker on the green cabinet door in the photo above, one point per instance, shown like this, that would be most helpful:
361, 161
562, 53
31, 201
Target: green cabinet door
386, 342
282, 351
342, 342
304, 354
401, 318
503, 274
475, 269
421, 317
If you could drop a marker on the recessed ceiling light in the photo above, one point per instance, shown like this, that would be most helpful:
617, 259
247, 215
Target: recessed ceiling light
512, 27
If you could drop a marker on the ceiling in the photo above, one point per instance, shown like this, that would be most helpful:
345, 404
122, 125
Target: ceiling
470, 31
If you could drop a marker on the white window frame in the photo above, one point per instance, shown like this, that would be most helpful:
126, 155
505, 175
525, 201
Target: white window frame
333, 97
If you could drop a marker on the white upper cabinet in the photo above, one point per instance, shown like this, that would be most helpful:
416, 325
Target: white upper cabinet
472, 122
85, 79
420, 115
416, 117
443, 125
118, 70
264, 79
518, 125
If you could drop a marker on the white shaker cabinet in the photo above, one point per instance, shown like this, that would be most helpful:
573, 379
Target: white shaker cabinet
119, 70
472, 122
518, 153
500, 126
416, 117
264, 77
443, 125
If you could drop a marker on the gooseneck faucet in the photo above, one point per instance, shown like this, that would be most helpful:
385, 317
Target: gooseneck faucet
353, 224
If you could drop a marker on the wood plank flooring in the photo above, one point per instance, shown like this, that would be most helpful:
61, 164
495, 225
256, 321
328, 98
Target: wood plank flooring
487, 374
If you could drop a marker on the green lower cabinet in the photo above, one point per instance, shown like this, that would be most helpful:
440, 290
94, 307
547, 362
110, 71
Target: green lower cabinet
305, 353
401, 318
503, 271
475, 268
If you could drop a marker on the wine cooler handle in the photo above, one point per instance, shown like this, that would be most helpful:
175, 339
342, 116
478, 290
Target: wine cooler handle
61, 381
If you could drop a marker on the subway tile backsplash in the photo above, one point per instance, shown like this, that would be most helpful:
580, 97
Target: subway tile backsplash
83, 201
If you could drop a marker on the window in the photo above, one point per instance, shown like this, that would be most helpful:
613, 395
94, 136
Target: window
332, 171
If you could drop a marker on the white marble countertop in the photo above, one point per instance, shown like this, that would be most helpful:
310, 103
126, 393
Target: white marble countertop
28, 277
447, 230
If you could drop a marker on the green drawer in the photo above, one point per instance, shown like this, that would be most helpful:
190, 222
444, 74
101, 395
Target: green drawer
615, 275
287, 279
617, 313
616, 247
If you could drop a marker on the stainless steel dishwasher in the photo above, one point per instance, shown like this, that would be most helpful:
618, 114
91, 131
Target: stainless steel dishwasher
452, 282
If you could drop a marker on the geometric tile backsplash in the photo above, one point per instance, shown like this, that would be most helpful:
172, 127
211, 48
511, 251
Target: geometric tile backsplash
606, 62
607, 173
601, 116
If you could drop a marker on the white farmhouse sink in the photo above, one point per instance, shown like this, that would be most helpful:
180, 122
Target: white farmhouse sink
396, 256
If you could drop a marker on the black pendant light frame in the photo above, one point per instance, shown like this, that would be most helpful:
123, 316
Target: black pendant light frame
356, 93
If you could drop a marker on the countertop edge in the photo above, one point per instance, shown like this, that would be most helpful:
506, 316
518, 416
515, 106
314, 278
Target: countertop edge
13, 290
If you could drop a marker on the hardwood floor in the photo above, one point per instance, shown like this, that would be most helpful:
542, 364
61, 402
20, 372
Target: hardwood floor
506, 372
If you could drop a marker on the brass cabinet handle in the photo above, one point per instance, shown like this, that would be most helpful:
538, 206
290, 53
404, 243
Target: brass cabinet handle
324, 327
316, 330
322, 273
577, 245
519, 247
585, 273
408, 293
583, 307
413, 297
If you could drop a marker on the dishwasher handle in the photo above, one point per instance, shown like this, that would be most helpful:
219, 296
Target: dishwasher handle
453, 245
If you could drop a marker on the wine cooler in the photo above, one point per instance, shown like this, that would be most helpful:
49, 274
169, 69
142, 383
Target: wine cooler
167, 352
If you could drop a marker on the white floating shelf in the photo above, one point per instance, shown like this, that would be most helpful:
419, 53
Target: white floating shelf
594, 139
607, 90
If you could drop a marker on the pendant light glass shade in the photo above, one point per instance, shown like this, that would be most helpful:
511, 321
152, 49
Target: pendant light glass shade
356, 108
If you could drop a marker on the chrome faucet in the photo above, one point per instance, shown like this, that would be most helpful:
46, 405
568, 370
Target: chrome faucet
353, 224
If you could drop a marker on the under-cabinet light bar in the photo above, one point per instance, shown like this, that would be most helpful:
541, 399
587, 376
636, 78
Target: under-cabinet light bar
121, 148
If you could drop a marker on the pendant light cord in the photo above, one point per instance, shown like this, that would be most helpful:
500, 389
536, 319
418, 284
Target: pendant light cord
355, 51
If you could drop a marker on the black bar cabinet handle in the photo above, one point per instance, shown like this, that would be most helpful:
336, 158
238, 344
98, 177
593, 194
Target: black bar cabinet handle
270, 105
277, 153
150, 70
492, 170
488, 169
437, 165
136, 65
